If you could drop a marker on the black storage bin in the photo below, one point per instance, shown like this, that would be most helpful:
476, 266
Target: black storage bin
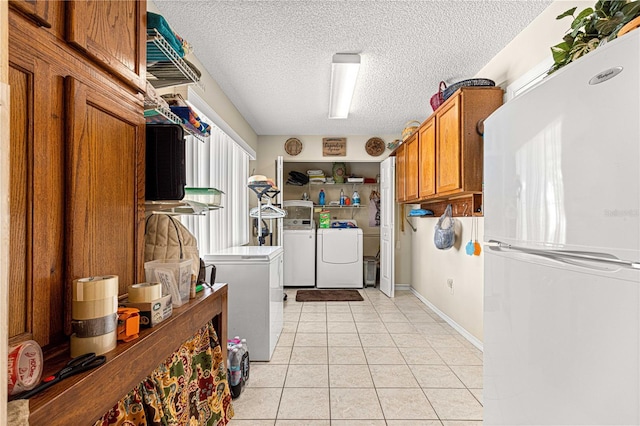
165, 167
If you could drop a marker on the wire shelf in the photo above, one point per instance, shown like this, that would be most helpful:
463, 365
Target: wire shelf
170, 72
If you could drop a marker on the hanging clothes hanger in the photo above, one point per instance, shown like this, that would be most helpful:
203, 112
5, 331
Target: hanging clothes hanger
267, 211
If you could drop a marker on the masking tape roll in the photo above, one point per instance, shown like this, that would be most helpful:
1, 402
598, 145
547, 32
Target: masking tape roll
95, 288
88, 309
145, 292
24, 367
97, 344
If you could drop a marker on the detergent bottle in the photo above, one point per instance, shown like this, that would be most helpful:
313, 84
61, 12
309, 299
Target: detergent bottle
356, 198
321, 197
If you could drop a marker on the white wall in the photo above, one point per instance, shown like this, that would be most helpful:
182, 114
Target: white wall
269, 147
532, 45
431, 267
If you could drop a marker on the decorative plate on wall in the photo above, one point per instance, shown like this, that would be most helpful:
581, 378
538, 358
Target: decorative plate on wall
293, 146
374, 146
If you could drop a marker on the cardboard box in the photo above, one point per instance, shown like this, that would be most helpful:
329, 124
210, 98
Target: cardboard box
152, 313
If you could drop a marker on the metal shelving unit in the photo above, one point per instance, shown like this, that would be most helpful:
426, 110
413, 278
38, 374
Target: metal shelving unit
170, 72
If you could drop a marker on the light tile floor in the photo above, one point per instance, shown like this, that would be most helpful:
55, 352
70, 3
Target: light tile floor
377, 362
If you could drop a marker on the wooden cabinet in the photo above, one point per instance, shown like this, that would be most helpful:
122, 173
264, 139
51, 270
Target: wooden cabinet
38, 11
427, 159
411, 168
110, 32
107, 32
459, 146
448, 142
103, 194
76, 168
443, 160
400, 173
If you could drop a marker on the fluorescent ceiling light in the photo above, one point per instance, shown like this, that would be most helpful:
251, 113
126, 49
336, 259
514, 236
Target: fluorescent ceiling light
344, 72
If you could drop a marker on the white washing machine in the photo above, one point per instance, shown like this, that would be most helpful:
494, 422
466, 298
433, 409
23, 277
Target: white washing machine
299, 244
339, 256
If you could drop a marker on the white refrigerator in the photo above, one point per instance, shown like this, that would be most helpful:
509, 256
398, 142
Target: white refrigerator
562, 246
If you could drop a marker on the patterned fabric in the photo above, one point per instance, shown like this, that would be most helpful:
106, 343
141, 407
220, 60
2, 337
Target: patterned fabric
189, 388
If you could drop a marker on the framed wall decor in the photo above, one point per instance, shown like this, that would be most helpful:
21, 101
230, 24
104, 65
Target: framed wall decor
334, 147
374, 147
293, 146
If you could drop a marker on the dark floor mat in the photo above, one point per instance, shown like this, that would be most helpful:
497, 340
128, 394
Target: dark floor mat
328, 296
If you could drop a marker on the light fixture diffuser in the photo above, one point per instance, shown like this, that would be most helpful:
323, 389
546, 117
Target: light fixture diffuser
344, 73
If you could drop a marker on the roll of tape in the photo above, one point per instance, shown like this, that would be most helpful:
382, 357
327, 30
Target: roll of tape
88, 309
24, 367
95, 326
145, 292
95, 288
98, 344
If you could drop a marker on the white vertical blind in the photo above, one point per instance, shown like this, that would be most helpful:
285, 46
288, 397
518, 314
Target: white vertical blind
219, 163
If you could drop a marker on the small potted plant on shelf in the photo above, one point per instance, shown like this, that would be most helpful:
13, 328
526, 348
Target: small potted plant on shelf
591, 28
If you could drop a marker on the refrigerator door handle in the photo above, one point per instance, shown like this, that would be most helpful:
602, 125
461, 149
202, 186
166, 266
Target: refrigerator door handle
571, 257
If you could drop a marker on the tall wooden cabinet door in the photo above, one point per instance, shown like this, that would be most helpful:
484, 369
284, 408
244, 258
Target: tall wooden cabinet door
112, 32
36, 10
427, 156
449, 173
105, 186
36, 201
400, 173
411, 167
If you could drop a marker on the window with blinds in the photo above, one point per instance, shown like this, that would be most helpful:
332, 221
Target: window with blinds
219, 163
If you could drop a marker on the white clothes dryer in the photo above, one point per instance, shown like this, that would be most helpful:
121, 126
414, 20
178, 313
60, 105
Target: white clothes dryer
339, 256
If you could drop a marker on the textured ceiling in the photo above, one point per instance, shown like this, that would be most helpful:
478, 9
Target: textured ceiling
273, 58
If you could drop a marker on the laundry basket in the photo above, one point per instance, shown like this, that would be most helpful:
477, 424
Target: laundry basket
370, 270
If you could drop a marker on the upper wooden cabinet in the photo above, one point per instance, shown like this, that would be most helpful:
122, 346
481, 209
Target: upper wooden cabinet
411, 168
39, 11
459, 147
444, 158
111, 33
400, 174
427, 159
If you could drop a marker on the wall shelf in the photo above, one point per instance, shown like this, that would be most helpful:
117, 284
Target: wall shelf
326, 206
462, 206
170, 72
179, 207
153, 109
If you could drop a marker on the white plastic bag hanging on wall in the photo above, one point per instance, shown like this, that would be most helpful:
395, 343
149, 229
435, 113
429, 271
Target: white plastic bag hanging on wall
445, 236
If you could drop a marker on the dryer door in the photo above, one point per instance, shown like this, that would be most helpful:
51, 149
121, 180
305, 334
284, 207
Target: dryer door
340, 246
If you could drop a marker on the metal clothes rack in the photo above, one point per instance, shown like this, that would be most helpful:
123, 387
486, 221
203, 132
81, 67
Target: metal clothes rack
265, 190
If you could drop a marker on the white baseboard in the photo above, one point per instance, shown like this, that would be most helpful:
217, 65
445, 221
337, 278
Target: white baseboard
470, 337
402, 287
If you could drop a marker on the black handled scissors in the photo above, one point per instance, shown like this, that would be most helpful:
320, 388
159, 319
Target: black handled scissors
76, 365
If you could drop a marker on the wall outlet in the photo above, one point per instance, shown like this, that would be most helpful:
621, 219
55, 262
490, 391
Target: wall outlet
450, 284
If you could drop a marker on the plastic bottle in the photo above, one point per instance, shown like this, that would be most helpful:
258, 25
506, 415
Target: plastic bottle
235, 375
321, 197
356, 198
341, 197
245, 364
